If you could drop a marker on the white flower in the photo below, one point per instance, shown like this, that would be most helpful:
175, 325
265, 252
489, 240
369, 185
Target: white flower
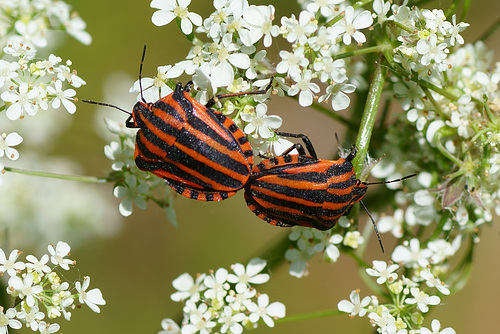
332, 252
436, 326
132, 191
8, 140
431, 51
392, 223
8, 71
22, 101
259, 124
92, 298
305, 87
351, 25
75, 27
383, 271
59, 253
436, 20
323, 6
384, 320
26, 289
455, 29
7, 320
46, 328
265, 311
32, 31
65, 97
434, 282
353, 239
223, 56
299, 30
200, 319
338, 93
170, 9
258, 21
231, 322
242, 276
187, 287
156, 88
217, 285
40, 266
292, 63
298, 259
169, 327
32, 318
10, 265
411, 254
355, 306
422, 299
17, 48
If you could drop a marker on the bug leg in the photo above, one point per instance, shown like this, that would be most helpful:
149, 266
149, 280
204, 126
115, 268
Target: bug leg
297, 146
216, 98
352, 154
188, 86
305, 139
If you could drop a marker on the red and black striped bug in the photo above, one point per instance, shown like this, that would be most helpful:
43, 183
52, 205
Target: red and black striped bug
302, 190
198, 151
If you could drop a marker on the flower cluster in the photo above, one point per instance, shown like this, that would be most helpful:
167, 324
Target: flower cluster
308, 242
131, 184
223, 301
29, 83
42, 292
409, 300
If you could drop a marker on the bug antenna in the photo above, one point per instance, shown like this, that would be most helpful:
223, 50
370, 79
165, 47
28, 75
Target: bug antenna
140, 72
390, 181
374, 226
107, 105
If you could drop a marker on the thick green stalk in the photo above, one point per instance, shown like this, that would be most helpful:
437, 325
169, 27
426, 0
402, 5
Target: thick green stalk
369, 117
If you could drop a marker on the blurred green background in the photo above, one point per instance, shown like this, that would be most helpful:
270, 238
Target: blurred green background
135, 268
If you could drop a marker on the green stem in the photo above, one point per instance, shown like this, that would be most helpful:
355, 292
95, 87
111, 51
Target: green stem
313, 315
80, 178
371, 49
369, 116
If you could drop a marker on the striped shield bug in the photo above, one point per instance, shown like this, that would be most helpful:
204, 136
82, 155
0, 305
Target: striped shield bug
302, 190
198, 151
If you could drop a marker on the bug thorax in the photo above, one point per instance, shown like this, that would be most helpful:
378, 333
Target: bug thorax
135, 120
358, 191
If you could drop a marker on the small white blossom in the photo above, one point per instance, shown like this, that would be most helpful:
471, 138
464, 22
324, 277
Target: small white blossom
411, 254
231, 321
22, 101
170, 9
384, 320
242, 276
10, 265
46, 328
259, 124
216, 284
383, 271
338, 93
8, 71
258, 21
32, 317
306, 88
40, 266
356, 306
265, 310
436, 329
8, 140
422, 299
187, 287
434, 282
59, 253
7, 319
169, 327
350, 25
292, 63
26, 289
62, 96
92, 298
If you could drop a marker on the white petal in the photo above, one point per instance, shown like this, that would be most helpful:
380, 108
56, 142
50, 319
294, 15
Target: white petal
239, 60
161, 18
13, 139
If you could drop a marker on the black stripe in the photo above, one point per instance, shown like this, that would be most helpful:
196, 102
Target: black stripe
156, 162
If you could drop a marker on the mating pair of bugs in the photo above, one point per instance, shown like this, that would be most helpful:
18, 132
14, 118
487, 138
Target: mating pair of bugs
203, 155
